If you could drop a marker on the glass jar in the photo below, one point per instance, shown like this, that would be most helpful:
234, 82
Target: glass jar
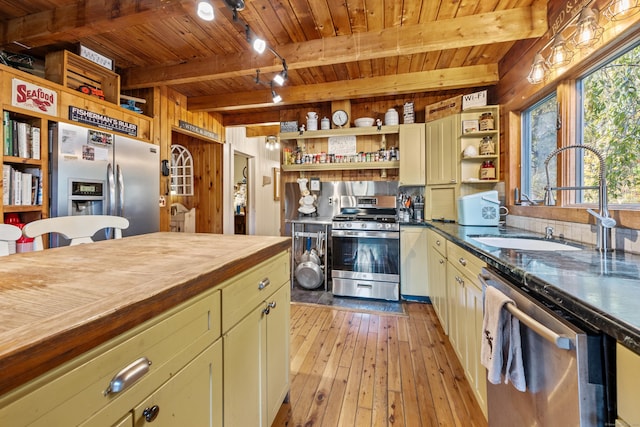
487, 170
486, 121
487, 147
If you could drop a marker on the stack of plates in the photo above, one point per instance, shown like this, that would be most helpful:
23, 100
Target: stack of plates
409, 115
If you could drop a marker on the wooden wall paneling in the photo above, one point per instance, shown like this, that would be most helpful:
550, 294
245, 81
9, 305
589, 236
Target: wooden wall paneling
207, 198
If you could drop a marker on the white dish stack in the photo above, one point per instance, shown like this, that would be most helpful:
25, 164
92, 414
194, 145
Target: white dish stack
409, 115
391, 117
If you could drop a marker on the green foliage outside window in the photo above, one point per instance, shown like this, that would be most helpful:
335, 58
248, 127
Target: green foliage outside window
611, 123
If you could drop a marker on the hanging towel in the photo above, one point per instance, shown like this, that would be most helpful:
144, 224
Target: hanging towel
501, 351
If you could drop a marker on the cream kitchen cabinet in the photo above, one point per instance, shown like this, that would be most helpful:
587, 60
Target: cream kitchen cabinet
256, 345
465, 316
442, 152
628, 386
437, 274
193, 397
153, 356
413, 266
412, 155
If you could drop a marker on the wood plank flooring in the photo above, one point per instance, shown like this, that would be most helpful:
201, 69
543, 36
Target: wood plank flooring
351, 368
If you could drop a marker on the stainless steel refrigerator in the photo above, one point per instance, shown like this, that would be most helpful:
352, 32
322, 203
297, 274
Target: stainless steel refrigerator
97, 172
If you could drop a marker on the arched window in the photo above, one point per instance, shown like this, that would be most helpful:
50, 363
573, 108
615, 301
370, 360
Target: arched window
181, 171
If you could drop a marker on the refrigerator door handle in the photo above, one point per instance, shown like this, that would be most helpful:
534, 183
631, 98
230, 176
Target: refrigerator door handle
111, 185
120, 191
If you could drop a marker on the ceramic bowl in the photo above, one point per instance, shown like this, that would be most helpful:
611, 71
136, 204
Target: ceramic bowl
363, 122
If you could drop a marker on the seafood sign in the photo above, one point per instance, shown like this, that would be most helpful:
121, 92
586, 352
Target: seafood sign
35, 98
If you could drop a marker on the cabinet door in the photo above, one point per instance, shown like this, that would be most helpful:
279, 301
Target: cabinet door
277, 353
191, 398
412, 154
457, 311
476, 372
242, 371
628, 385
413, 268
442, 153
438, 286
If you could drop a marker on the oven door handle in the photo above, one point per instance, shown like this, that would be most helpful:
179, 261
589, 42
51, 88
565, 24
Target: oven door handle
367, 234
561, 341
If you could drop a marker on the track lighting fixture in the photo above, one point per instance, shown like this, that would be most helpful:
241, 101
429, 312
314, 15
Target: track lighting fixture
259, 45
205, 10
274, 96
281, 77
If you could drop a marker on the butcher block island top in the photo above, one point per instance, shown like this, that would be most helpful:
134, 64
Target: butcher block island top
59, 303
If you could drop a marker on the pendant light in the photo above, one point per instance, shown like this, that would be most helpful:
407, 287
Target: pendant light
618, 10
538, 71
588, 32
560, 55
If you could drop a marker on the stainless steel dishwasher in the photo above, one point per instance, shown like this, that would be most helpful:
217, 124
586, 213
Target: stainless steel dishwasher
562, 363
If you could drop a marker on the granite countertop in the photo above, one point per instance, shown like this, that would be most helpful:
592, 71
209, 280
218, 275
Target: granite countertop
601, 289
59, 303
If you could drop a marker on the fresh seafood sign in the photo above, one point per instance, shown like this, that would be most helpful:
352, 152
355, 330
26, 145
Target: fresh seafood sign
35, 98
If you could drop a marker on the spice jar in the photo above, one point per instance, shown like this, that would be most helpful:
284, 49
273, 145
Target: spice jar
486, 121
487, 147
488, 170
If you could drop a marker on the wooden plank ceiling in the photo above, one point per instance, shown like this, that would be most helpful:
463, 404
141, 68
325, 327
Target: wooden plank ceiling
334, 49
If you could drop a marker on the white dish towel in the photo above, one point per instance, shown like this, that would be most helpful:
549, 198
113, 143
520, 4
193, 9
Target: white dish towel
501, 350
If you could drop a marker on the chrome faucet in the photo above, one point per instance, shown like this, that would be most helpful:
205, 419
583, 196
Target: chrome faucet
604, 221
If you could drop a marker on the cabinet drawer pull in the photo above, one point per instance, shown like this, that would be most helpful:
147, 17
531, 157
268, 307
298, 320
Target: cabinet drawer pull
150, 414
128, 376
438, 242
462, 261
268, 308
441, 261
264, 283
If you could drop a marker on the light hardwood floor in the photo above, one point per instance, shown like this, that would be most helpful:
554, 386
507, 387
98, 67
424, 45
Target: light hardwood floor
353, 368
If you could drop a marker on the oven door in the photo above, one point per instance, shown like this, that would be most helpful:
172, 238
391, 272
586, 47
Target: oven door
366, 263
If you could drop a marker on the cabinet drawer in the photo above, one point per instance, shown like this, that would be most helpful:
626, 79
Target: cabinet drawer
75, 391
467, 263
438, 242
244, 292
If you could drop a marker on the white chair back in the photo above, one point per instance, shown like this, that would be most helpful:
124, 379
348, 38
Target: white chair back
8, 233
79, 229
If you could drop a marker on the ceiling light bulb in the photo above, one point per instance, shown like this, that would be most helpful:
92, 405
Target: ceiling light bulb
588, 32
276, 98
560, 54
618, 10
205, 10
538, 71
279, 79
259, 45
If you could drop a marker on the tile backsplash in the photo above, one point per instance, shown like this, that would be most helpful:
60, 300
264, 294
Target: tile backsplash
624, 239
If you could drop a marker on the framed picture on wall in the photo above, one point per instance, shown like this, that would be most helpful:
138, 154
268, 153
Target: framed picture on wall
276, 183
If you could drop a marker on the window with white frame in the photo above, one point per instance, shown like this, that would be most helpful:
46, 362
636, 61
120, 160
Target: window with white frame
539, 139
609, 121
181, 171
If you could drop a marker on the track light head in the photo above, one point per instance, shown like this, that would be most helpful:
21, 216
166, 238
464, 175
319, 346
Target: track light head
205, 10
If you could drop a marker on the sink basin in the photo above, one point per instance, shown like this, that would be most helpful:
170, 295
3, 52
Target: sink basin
524, 243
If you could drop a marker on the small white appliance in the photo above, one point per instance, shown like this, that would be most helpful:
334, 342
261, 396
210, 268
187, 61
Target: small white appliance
480, 209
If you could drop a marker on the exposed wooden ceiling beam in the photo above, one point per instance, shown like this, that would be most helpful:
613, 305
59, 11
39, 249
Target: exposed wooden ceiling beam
493, 27
69, 22
425, 81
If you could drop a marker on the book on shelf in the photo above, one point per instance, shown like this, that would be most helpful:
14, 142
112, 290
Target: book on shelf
6, 184
21, 139
21, 187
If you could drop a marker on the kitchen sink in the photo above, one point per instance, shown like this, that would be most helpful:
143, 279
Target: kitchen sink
524, 243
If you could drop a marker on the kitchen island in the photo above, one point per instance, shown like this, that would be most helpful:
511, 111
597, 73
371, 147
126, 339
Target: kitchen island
61, 304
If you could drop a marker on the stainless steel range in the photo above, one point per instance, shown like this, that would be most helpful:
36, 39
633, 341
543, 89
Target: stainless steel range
365, 239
